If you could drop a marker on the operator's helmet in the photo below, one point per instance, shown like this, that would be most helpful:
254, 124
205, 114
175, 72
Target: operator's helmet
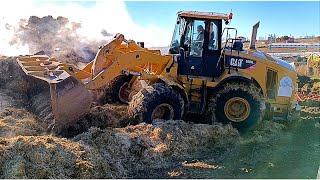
199, 28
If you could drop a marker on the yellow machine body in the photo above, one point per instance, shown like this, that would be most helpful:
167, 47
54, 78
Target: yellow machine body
73, 89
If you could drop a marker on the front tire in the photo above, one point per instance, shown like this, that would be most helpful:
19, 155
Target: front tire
158, 101
115, 90
240, 104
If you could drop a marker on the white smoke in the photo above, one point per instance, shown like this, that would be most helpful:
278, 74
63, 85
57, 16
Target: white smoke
97, 20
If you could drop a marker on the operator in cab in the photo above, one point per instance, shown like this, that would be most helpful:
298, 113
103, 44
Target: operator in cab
200, 31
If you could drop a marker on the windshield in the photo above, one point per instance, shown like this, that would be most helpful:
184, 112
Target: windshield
175, 42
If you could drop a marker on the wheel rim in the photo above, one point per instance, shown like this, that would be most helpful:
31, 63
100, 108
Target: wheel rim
123, 93
163, 111
237, 109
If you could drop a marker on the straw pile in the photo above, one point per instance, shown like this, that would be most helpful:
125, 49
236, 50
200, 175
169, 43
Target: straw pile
109, 153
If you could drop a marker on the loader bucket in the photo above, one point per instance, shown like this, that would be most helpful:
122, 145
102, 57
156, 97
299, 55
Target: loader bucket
69, 100
69, 97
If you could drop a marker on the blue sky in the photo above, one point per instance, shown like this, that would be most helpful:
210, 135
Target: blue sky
152, 22
280, 18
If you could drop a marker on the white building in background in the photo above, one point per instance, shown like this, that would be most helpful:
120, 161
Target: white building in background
293, 45
286, 55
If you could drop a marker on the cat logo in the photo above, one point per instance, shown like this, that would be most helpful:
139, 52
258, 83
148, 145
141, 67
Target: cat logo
236, 62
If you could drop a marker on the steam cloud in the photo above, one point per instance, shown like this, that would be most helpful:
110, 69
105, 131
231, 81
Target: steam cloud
58, 37
70, 31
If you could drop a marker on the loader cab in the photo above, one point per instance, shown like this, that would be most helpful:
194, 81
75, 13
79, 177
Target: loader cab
197, 40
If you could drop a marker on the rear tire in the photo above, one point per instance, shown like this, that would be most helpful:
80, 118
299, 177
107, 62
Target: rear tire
112, 89
158, 101
240, 104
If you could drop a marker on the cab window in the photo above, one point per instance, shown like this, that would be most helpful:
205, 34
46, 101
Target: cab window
195, 37
213, 35
175, 42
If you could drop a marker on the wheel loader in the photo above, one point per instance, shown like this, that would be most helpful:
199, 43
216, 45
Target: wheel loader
206, 72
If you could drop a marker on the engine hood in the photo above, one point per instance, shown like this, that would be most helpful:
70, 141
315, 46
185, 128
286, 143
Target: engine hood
284, 64
266, 56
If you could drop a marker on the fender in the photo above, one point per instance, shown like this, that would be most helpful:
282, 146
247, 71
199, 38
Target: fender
232, 78
177, 87
239, 79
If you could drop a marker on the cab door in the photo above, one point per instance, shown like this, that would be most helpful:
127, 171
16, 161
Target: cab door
212, 67
194, 44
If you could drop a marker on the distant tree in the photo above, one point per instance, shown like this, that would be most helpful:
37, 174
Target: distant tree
300, 59
272, 38
285, 37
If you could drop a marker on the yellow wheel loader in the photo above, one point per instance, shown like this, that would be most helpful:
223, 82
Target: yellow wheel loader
200, 75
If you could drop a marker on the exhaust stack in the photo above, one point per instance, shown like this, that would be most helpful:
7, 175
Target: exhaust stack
254, 36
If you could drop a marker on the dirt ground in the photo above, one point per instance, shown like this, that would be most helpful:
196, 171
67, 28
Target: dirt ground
101, 145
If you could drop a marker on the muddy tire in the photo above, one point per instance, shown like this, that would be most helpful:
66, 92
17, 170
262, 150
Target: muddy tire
158, 101
240, 104
112, 89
